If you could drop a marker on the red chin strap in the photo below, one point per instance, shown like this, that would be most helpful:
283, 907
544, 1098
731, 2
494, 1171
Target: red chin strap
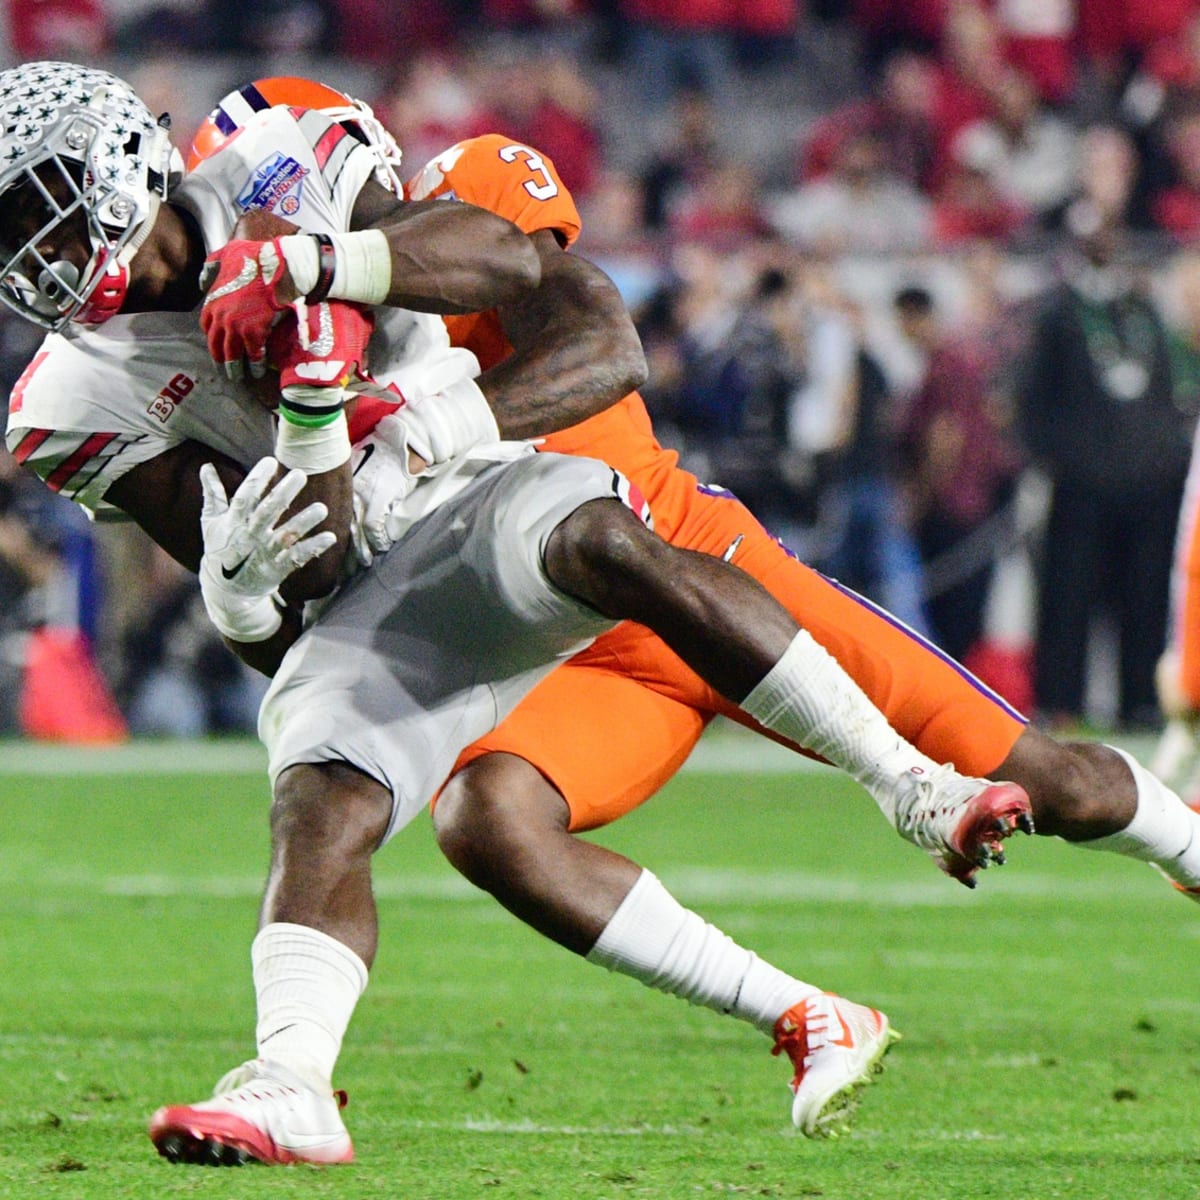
109, 295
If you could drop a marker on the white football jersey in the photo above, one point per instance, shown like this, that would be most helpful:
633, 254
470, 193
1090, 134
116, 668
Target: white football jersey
93, 403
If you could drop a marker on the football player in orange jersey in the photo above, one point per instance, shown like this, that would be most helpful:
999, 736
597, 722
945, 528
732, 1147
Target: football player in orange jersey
1177, 755
507, 816
502, 565
531, 783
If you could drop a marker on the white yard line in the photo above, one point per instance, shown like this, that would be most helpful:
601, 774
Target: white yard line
693, 885
151, 757
484, 1125
725, 749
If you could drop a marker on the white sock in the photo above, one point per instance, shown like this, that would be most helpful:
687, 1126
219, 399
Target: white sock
809, 698
1164, 831
653, 938
307, 985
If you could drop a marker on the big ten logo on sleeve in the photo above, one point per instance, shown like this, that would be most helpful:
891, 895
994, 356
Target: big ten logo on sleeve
172, 394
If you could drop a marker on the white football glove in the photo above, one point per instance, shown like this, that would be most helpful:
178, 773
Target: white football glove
445, 424
382, 479
246, 555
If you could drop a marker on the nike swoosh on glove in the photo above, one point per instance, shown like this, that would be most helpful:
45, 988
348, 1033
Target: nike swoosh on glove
382, 479
248, 553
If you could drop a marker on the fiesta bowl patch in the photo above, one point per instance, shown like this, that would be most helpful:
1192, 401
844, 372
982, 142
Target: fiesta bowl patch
275, 186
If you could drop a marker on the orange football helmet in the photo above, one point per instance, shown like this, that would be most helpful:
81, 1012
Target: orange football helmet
293, 91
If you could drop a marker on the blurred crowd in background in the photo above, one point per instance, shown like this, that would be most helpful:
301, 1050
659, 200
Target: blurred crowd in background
919, 280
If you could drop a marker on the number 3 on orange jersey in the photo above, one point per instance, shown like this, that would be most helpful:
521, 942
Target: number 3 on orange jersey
539, 191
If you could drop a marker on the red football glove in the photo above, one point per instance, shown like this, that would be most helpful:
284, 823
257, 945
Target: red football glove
317, 348
248, 285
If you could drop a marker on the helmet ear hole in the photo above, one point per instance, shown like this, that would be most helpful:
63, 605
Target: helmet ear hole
57, 280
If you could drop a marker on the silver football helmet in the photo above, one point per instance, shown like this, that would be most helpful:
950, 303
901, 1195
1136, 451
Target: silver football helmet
77, 148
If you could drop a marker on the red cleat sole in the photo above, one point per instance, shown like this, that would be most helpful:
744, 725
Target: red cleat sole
995, 814
187, 1135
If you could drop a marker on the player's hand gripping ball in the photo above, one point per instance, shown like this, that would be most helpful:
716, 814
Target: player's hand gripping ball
318, 349
248, 286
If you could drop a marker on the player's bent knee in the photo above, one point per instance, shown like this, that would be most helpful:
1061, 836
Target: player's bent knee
601, 551
1073, 786
492, 810
330, 806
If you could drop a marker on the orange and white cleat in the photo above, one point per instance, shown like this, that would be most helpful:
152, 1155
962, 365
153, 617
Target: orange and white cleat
1192, 893
961, 821
837, 1047
260, 1112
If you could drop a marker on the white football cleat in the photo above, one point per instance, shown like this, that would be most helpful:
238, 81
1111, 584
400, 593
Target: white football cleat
1176, 760
259, 1111
836, 1046
961, 821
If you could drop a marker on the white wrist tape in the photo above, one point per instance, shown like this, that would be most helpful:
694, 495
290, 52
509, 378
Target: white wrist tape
444, 424
313, 449
362, 266
239, 618
303, 260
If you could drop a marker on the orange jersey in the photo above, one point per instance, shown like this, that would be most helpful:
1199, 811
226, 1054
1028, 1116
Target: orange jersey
516, 182
1185, 587
610, 726
513, 181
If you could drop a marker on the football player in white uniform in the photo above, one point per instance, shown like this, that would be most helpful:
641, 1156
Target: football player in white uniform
509, 560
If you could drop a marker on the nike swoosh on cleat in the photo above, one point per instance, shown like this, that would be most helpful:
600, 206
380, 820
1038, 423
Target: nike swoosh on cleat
847, 1038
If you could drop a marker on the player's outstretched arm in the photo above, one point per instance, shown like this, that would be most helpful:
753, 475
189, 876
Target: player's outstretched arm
575, 349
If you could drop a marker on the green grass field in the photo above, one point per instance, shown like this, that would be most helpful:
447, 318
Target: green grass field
1051, 1020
